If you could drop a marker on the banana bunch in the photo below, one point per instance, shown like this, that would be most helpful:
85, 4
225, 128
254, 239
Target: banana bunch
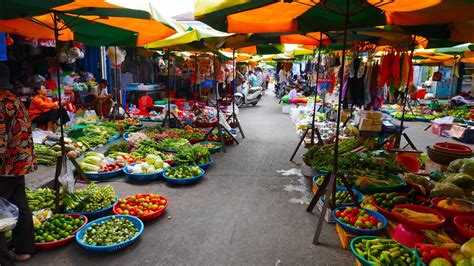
415, 216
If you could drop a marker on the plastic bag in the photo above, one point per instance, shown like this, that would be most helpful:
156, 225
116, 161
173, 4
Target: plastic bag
66, 178
8, 215
443, 189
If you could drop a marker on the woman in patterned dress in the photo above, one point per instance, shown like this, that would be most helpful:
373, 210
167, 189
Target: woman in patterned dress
16, 160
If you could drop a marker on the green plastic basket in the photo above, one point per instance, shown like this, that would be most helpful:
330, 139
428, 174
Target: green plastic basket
372, 190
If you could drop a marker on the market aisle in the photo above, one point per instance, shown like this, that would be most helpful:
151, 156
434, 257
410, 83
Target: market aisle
241, 213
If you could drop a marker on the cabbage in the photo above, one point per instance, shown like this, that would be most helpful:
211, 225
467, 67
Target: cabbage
95, 160
159, 164
150, 169
137, 169
89, 168
94, 154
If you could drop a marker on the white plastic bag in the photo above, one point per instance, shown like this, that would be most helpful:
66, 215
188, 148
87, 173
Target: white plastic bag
8, 215
66, 178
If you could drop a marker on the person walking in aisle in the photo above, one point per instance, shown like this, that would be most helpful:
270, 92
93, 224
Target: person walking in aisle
16, 160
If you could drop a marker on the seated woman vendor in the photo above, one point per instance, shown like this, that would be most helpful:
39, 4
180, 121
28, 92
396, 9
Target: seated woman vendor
100, 98
43, 111
293, 94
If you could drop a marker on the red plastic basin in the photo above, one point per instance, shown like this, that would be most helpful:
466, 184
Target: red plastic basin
452, 148
448, 213
412, 225
410, 162
460, 220
65, 241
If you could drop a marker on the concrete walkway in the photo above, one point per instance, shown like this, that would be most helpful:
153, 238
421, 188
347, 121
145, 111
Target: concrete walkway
243, 212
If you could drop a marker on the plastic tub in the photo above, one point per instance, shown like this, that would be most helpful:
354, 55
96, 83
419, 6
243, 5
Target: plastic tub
372, 190
104, 175
358, 195
212, 150
407, 237
448, 213
205, 166
363, 261
452, 148
357, 231
65, 241
149, 217
412, 225
112, 248
460, 220
143, 177
410, 162
184, 181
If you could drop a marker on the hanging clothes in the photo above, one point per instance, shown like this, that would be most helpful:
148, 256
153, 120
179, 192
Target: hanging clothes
386, 70
356, 82
396, 71
405, 70
374, 85
367, 82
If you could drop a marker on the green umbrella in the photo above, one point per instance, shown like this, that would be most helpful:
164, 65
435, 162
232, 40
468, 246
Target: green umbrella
12, 9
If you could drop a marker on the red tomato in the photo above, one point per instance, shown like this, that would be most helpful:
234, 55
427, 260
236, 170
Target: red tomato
425, 248
163, 202
364, 220
343, 214
426, 255
119, 211
355, 210
434, 253
353, 220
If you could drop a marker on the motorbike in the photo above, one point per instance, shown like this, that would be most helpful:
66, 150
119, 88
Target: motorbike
247, 95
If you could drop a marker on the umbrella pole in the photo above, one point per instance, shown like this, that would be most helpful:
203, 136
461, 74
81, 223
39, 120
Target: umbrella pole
400, 133
329, 184
60, 159
234, 115
311, 127
170, 114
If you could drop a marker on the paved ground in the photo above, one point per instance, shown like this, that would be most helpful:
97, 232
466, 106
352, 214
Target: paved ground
243, 212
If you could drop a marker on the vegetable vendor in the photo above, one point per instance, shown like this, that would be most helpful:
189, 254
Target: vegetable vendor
16, 160
44, 111
100, 98
293, 94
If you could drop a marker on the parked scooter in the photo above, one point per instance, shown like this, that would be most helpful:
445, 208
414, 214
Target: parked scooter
247, 95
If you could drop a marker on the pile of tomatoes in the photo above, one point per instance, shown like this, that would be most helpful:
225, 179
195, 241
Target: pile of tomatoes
431, 252
358, 218
141, 205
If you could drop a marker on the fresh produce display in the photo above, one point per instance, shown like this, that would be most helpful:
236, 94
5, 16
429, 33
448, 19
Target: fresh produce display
408, 116
210, 145
320, 180
136, 137
120, 147
122, 157
41, 198
95, 135
384, 252
192, 155
419, 217
371, 180
387, 201
183, 171
90, 198
456, 205
57, 227
109, 232
461, 114
173, 144
152, 164
358, 218
321, 158
46, 155
429, 253
342, 197
97, 163
141, 204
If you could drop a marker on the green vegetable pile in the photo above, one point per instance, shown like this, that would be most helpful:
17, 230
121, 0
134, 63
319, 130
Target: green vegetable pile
46, 155
183, 171
112, 231
145, 147
172, 144
320, 180
89, 199
58, 227
457, 182
387, 201
321, 158
95, 135
39, 199
120, 147
384, 252
192, 155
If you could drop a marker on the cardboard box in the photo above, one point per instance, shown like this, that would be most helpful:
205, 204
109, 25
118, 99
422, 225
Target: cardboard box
377, 128
377, 122
377, 115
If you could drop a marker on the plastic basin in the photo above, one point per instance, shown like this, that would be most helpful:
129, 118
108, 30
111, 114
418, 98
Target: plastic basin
372, 190
148, 217
96, 214
452, 148
184, 181
143, 177
407, 237
448, 213
357, 231
460, 220
413, 225
65, 241
111, 248
410, 162
359, 196
362, 260
389, 214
